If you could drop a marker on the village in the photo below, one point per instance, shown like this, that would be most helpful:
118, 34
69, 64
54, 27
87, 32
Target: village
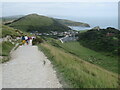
66, 36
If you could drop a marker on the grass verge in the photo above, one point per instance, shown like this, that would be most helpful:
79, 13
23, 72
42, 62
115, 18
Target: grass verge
79, 73
6, 48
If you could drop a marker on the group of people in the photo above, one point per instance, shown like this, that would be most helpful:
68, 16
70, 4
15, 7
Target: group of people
26, 40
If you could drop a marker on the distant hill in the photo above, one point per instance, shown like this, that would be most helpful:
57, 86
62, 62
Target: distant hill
72, 23
34, 22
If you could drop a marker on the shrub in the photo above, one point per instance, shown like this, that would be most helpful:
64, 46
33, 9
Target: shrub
37, 41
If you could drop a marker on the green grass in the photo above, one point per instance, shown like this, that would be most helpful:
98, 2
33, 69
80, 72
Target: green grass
107, 62
8, 31
34, 22
82, 31
34, 19
6, 48
0, 31
77, 72
72, 23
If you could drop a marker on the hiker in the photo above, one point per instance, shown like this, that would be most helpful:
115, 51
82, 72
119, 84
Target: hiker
23, 40
26, 39
30, 41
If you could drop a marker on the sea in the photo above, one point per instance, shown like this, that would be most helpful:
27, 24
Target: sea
102, 22
78, 28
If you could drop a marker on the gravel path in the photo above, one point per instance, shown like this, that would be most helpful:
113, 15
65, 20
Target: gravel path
29, 68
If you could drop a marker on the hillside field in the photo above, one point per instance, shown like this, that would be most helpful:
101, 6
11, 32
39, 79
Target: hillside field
39, 23
77, 72
101, 59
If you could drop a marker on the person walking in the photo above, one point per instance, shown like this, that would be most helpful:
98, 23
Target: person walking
30, 41
26, 39
23, 40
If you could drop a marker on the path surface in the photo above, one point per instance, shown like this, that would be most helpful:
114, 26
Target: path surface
29, 68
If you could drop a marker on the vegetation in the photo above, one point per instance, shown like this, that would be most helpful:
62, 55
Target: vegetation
72, 23
34, 22
81, 67
37, 41
0, 31
76, 72
9, 31
82, 31
103, 60
6, 48
10, 18
103, 40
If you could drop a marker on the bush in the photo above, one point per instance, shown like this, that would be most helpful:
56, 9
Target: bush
105, 40
37, 41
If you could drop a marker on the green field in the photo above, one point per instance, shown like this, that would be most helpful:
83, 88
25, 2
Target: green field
77, 72
102, 59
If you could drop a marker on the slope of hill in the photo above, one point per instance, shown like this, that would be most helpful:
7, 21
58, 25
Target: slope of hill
10, 18
103, 40
76, 72
34, 22
8, 31
72, 23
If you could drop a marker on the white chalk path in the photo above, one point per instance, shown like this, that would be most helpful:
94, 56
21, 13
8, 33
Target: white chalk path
29, 68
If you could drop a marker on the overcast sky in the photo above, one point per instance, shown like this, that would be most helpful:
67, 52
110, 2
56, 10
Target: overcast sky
83, 9
60, 0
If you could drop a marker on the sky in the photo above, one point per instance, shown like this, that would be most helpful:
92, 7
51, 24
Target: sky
83, 9
60, 0
69, 9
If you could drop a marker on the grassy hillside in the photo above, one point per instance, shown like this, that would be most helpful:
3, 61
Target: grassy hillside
6, 48
72, 23
9, 31
0, 31
103, 40
10, 18
109, 63
77, 72
34, 22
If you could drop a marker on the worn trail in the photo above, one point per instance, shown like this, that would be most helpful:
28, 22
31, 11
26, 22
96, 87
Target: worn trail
29, 68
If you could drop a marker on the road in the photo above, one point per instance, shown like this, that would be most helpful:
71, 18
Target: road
29, 68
